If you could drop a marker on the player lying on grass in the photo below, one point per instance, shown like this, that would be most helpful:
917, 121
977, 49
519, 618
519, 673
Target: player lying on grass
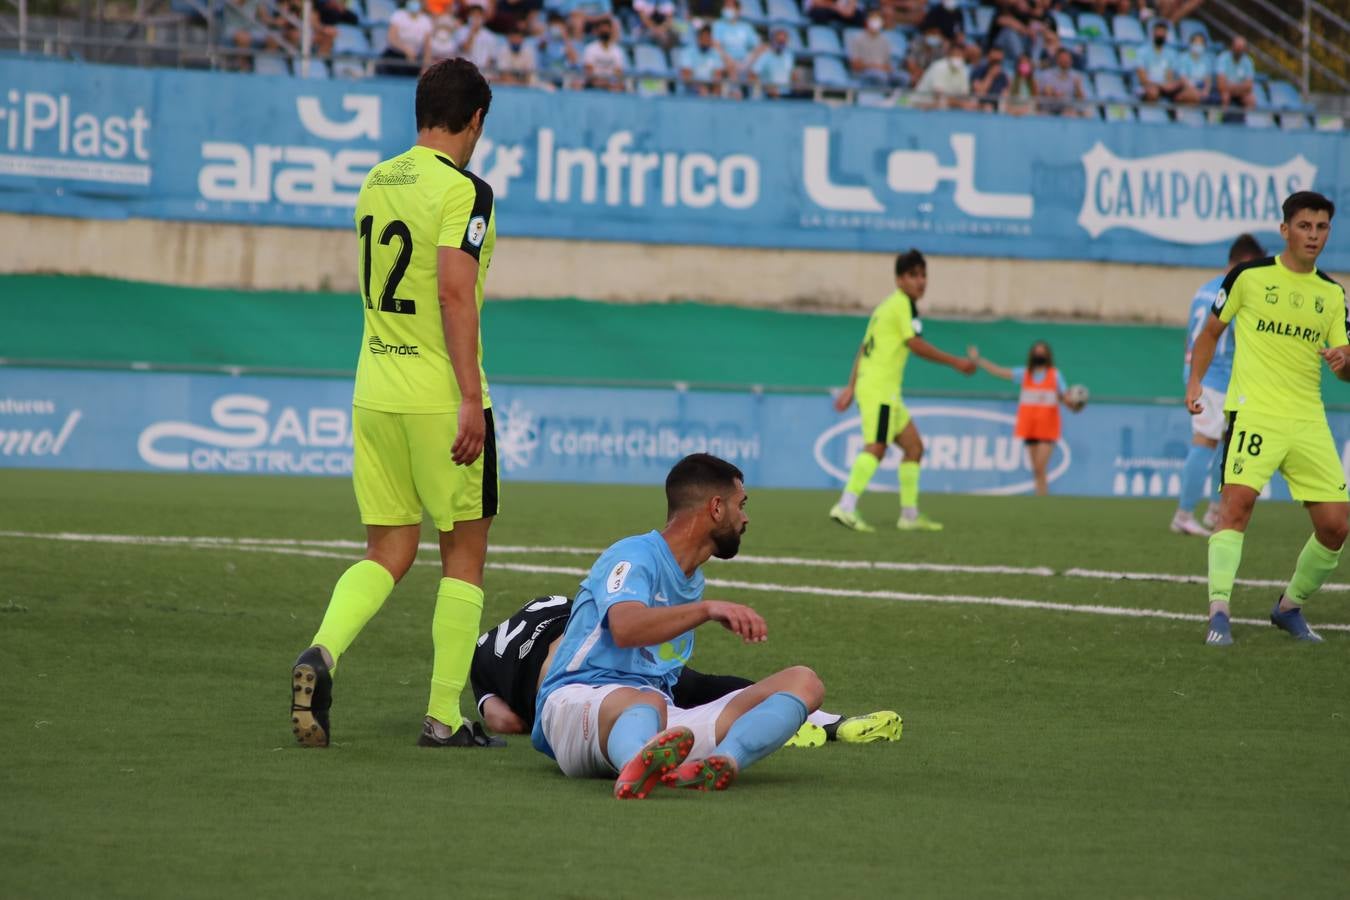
511, 659
605, 703
1289, 318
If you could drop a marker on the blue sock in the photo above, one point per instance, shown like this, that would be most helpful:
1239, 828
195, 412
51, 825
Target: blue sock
763, 729
1199, 460
634, 727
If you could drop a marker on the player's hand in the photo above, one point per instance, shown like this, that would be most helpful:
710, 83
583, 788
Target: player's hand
469, 439
742, 620
1193, 395
966, 366
843, 399
973, 352
1338, 358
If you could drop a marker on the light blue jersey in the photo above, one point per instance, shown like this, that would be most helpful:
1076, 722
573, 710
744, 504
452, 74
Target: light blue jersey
637, 569
1221, 368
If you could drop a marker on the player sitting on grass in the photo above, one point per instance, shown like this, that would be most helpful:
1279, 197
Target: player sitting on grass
894, 331
511, 659
1289, 318
605, 703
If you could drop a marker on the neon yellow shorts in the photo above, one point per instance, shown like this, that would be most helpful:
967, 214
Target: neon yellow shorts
401, 463
882, 420
1256, 445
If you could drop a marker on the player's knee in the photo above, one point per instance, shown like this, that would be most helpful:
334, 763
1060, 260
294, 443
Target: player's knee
1332, 534
806, 684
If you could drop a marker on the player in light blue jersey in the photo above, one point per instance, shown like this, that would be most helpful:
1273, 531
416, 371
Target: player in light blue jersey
605, 703
1207, 428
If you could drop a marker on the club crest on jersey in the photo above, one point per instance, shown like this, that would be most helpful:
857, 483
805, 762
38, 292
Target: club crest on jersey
1272, 297
476, 231
1296, 300
1319, 304
617, 576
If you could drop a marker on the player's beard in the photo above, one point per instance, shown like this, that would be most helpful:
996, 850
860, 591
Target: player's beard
727, 542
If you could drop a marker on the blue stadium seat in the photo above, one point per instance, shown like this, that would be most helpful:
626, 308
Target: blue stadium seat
1093, 27
848, 36
1189, 115
794, 36
1127, 29
1110, 86
899, 43
1284, 95
822, 39
977, 20
1153, 114
786, 12
266, 64
1260, 120
650, 61
1128, 54
380, 10
1262, 95
379, 39
1102, 58
753, 12
1293, 121
1191, 27
318, 70
351, 39
829, 71
1064, 25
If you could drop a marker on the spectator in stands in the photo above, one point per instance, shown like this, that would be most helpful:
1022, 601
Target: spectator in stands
249, 25
989, 81
476, 44
321, 36
1156, 72
1236, 76
1022, 91
336, 12
869, 55
735, 37
1197, 71
772, 66
516, 62
658, 22
924, 51
1012, 28
1107, 8
1176, 10
408, 31
1059, 87
946, 84
1046, 53
604, 60
703, 65
557, 51
834, 12
443, 40
510, 13
945, 17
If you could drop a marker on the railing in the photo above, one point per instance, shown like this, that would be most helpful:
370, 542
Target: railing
1313, 24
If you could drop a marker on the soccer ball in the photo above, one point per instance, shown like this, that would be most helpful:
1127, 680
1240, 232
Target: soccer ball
1077, 395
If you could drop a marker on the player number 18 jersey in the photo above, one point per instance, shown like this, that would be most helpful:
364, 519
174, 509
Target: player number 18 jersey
408, 207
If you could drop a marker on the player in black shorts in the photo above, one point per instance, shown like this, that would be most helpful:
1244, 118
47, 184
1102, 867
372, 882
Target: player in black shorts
511, 659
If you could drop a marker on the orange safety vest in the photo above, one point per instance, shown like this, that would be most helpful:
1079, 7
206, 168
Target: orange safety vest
1038, 406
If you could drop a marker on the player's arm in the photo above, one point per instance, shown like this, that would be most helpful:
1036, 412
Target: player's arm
1202, 354
1337, 354
845, 396
997, 371
463, 229
919, 347
634, 624
499, 717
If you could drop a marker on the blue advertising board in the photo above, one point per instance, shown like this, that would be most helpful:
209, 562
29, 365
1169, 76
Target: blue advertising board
102, 141
162, 422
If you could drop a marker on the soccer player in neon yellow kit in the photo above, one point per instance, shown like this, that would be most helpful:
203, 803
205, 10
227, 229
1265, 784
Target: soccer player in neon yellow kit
1288, 317
422, 418
894, 331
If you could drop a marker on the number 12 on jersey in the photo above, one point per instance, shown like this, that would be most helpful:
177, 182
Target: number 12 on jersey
395, 229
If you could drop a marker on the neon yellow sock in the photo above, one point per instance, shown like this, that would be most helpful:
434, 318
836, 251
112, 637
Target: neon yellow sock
909, 485
864, 467
1314, 567
1225, 553
357, 596
454, 631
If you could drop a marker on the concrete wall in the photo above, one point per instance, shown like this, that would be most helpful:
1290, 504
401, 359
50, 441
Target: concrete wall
273, 258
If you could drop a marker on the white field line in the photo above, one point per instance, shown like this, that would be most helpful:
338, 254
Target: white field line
289, 548
749, 559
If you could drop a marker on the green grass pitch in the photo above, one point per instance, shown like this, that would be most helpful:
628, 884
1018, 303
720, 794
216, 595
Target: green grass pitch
145, 748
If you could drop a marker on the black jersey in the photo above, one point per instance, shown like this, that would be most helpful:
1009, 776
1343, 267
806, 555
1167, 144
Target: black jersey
508, 659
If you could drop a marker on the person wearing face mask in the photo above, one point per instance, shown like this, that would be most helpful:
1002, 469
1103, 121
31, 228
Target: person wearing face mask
946, 84
703, 65
557, 52
869, 55
1061, 87
1043, 389
1236, 76
923, 51
736, 37
771, 68
989, 81
1155, 68
604, 60
476, 44
409, 29
1197, 71
516, 62
1022, 92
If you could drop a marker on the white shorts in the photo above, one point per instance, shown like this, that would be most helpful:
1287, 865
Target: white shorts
1211, 421
570, 720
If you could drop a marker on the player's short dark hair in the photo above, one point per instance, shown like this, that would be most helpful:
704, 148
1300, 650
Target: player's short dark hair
908, 261
1245, 247
696, 478
449, 93
1312, 201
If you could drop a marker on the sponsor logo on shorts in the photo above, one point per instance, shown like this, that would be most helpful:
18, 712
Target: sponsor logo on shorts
1237, 466
380, 348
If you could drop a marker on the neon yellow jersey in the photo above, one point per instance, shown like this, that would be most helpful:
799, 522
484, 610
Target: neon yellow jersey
409, 206
1281, 319
881, 369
